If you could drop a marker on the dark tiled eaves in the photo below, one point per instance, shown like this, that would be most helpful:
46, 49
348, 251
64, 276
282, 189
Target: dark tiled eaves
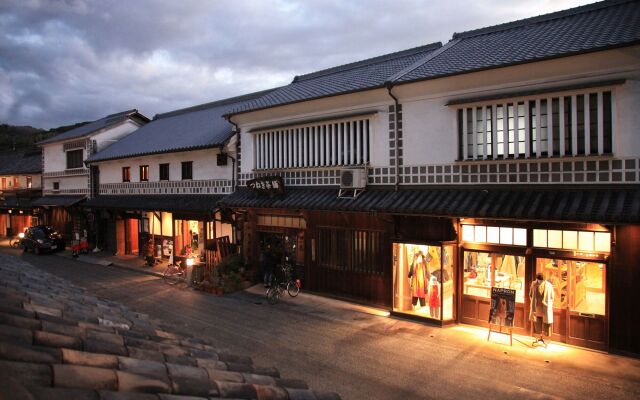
607, 26
356, 77
16, 163
597, 205
171, 203
97, 125
59, 200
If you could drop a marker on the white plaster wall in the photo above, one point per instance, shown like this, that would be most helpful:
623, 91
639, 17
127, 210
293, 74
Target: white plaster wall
429, 132
204, 166
109, 136
55, 158
67, 182
627, 118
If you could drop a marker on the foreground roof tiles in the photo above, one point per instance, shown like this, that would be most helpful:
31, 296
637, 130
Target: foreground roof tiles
59, 342
593, 27
598, 205
192, 128
91, 127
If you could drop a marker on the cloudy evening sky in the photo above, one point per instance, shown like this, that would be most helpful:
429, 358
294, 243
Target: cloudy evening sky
65, 61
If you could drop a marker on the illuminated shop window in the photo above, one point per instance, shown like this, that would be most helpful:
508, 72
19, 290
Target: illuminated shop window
572, 240
424, 280
578, 286
485, 270
494, 235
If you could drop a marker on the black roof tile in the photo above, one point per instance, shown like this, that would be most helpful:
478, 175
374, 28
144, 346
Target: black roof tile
578, 30
357, 76
198, 127
184, 203
20, 162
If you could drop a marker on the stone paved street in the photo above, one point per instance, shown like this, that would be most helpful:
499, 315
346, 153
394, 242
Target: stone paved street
336, 346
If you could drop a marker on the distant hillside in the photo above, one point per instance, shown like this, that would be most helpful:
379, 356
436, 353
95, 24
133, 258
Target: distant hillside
21, 137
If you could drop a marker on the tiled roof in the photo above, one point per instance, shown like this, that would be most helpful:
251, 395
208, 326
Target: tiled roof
59, 342
362, 75
59, 200
96, 125
184, 203
197, 127
20, 162
593, 27
598, 205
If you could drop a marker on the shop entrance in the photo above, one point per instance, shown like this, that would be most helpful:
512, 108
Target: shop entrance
486, 269
189, 238
579, 312
281, 246
127, 236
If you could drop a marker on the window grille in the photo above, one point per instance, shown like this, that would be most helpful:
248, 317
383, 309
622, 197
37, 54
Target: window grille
569, 125
337, 143
351, 250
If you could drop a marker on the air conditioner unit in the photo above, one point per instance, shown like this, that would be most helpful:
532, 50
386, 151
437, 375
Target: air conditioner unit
353, 178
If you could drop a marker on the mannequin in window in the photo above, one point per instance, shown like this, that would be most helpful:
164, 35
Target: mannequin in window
542, 296
418, 273
434, 298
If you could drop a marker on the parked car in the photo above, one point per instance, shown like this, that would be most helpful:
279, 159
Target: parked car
42, 239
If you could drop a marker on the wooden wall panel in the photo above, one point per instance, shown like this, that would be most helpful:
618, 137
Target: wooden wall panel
624, 285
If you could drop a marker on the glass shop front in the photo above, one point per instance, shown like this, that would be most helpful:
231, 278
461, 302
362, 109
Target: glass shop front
424, 280
572, 262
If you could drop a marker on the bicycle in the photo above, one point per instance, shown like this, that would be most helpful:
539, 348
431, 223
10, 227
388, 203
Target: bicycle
292, 286
174, 274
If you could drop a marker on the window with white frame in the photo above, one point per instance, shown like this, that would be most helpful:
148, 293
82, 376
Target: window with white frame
572, 240
494, 235
326, 144
540, 126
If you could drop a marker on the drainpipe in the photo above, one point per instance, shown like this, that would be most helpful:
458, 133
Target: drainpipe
389, 86
236, 129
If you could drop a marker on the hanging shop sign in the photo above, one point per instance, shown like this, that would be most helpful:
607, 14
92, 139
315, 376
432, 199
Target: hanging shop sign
270, 185
503, 305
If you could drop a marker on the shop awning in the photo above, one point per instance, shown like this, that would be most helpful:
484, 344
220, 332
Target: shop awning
597, 205
171, 203
59, 201
10, 202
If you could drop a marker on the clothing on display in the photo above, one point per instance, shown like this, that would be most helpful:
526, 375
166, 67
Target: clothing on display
541, 296
418, 272
434, 298
423, 280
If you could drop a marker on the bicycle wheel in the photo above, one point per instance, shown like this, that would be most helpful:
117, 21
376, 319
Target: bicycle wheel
171, 275
293, 288
273, 295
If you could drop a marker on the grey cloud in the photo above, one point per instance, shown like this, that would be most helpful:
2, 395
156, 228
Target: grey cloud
67, 61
